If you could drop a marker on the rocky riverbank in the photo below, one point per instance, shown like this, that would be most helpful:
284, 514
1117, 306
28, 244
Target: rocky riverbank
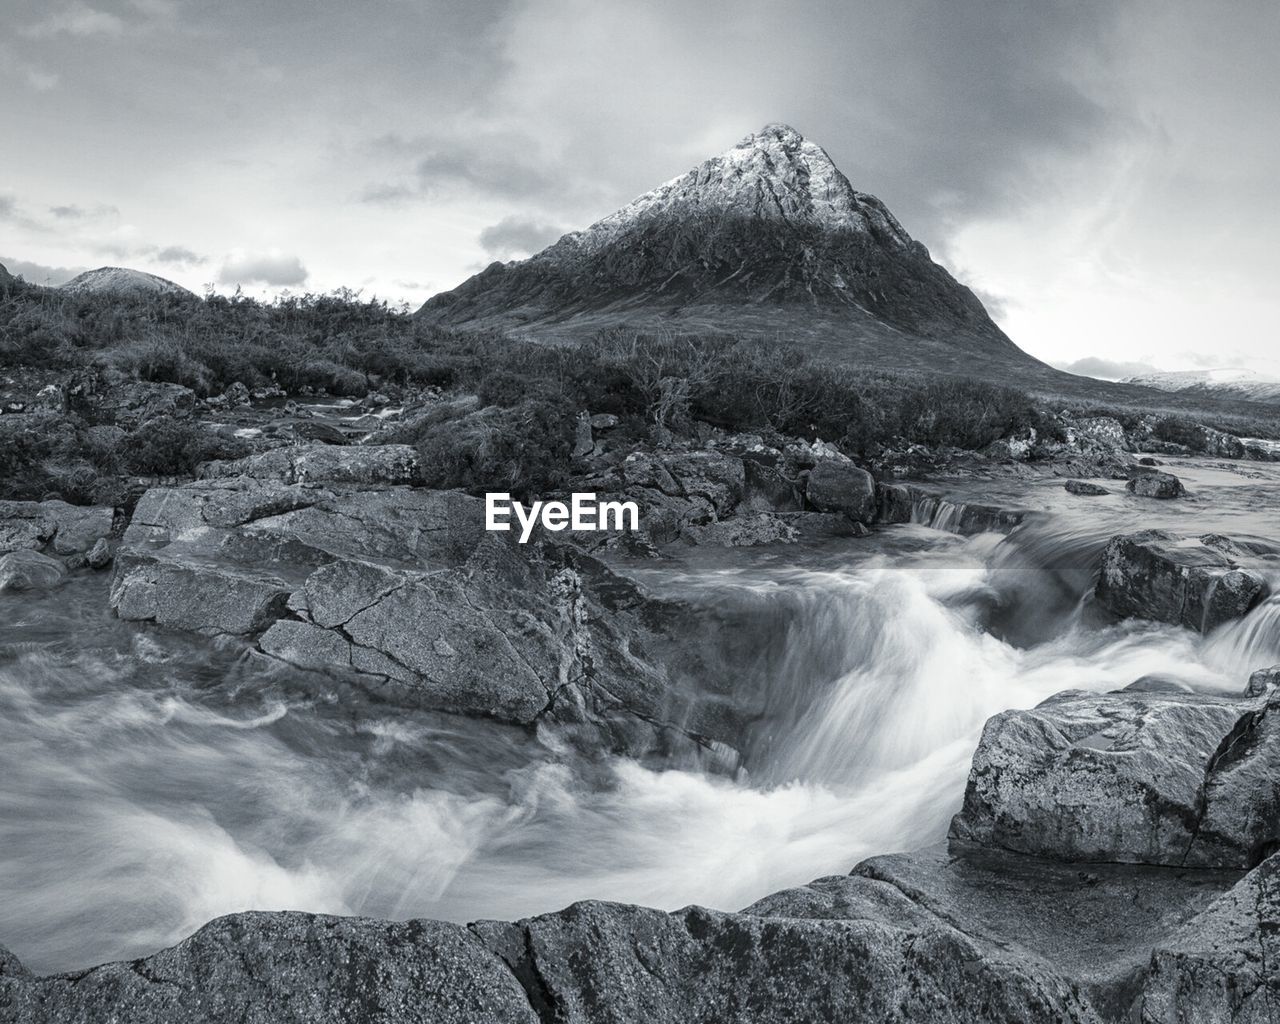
1114, 858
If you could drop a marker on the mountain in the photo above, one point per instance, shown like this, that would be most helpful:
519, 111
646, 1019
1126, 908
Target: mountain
1227, 382
767, 239
5, 276
122, 281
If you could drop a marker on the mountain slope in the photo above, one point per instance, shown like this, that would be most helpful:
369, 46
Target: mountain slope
768, 238
121, 281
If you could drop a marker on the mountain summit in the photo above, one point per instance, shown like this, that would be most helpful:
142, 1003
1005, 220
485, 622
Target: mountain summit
122, 281
767, 238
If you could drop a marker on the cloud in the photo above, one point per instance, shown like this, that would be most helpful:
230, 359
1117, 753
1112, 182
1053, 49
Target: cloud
180, 255
515, 236
76, 19
38, 273
273, 268
504, 164
73, 211
1108, 369
41, 80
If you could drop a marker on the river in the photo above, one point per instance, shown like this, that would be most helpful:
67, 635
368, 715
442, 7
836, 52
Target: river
151, 781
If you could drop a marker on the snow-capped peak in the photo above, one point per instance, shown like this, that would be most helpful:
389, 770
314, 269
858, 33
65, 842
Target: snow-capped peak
774, 173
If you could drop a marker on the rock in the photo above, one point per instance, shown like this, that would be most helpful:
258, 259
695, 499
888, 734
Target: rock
195, 597
604, 421
1182, 780
836, 486
29, 570
235, 396
1262, 681
1220, 965
1220, 444
583, 443
99, 556
1183, 581
287, 967
25, 526
79, 528
742, 531
318, 431
708, 476
592, 962
1147, 460
1104, 430
402, 591
906, 503
1083, 487
49, 398
1156, 485
371, 465
129, 403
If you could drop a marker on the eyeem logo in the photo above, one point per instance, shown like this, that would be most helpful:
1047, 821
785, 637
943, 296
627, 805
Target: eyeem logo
582, 512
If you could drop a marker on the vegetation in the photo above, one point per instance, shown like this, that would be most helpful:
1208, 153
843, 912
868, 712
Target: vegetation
511, 423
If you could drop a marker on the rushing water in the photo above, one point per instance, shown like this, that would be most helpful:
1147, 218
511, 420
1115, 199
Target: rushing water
149, 782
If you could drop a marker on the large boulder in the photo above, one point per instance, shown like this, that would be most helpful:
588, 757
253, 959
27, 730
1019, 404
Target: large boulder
29, 570
1084, 488
1184, 780
1103, 430
1185, 581
1156, 485
837, 486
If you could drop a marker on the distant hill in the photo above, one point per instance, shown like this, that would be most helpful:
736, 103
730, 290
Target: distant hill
768, 239
1229, 382
122, 281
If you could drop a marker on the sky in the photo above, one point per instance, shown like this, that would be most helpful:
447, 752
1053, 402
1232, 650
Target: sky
1101, 172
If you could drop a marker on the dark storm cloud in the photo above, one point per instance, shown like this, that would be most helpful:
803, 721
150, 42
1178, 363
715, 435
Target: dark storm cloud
1107, 369
516, 236
947, 111
272, 269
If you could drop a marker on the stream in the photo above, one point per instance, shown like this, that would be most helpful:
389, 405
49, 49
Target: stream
150, 781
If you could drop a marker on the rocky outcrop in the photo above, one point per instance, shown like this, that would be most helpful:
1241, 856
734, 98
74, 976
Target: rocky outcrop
1197, 583
1156, 485
1183, 780
981, 937
402, 591
836, 486
855, 949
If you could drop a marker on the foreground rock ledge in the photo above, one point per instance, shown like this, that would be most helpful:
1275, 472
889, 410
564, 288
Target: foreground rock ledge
971, 936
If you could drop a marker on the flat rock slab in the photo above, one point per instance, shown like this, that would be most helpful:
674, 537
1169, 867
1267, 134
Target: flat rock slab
385, 464
1134, 777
